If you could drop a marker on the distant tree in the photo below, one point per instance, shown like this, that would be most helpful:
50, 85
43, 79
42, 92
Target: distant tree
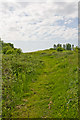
59, 45
64, 46
72, 47
68, 46
54, 46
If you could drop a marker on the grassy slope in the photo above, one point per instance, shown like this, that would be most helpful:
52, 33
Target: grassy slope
49, 87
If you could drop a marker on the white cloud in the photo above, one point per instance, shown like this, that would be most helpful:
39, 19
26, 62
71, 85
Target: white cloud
48, 1
68, 22
37, 21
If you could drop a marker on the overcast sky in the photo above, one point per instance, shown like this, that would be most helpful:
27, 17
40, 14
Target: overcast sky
35, 26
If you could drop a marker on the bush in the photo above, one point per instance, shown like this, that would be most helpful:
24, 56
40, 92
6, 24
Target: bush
76, 49
52, 49
19, 51
11, 45
5, 49
10, 51
59, 49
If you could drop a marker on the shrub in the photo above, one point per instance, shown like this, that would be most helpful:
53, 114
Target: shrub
76, 49
5, 49
52, 49
11, 45
19, 51
10, 51
59, 49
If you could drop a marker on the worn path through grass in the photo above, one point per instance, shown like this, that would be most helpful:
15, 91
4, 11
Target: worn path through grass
54, 92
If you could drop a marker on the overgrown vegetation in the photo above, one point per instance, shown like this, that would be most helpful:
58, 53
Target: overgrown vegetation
8, 48
40, 84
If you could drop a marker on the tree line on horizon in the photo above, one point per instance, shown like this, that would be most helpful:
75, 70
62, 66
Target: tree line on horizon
64, 46
61, 47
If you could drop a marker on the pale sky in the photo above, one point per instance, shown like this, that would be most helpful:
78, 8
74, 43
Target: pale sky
35, 26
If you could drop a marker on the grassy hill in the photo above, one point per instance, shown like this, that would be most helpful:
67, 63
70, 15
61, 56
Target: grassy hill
40, 84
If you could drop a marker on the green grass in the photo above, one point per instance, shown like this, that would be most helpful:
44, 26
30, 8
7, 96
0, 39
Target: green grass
40, 84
